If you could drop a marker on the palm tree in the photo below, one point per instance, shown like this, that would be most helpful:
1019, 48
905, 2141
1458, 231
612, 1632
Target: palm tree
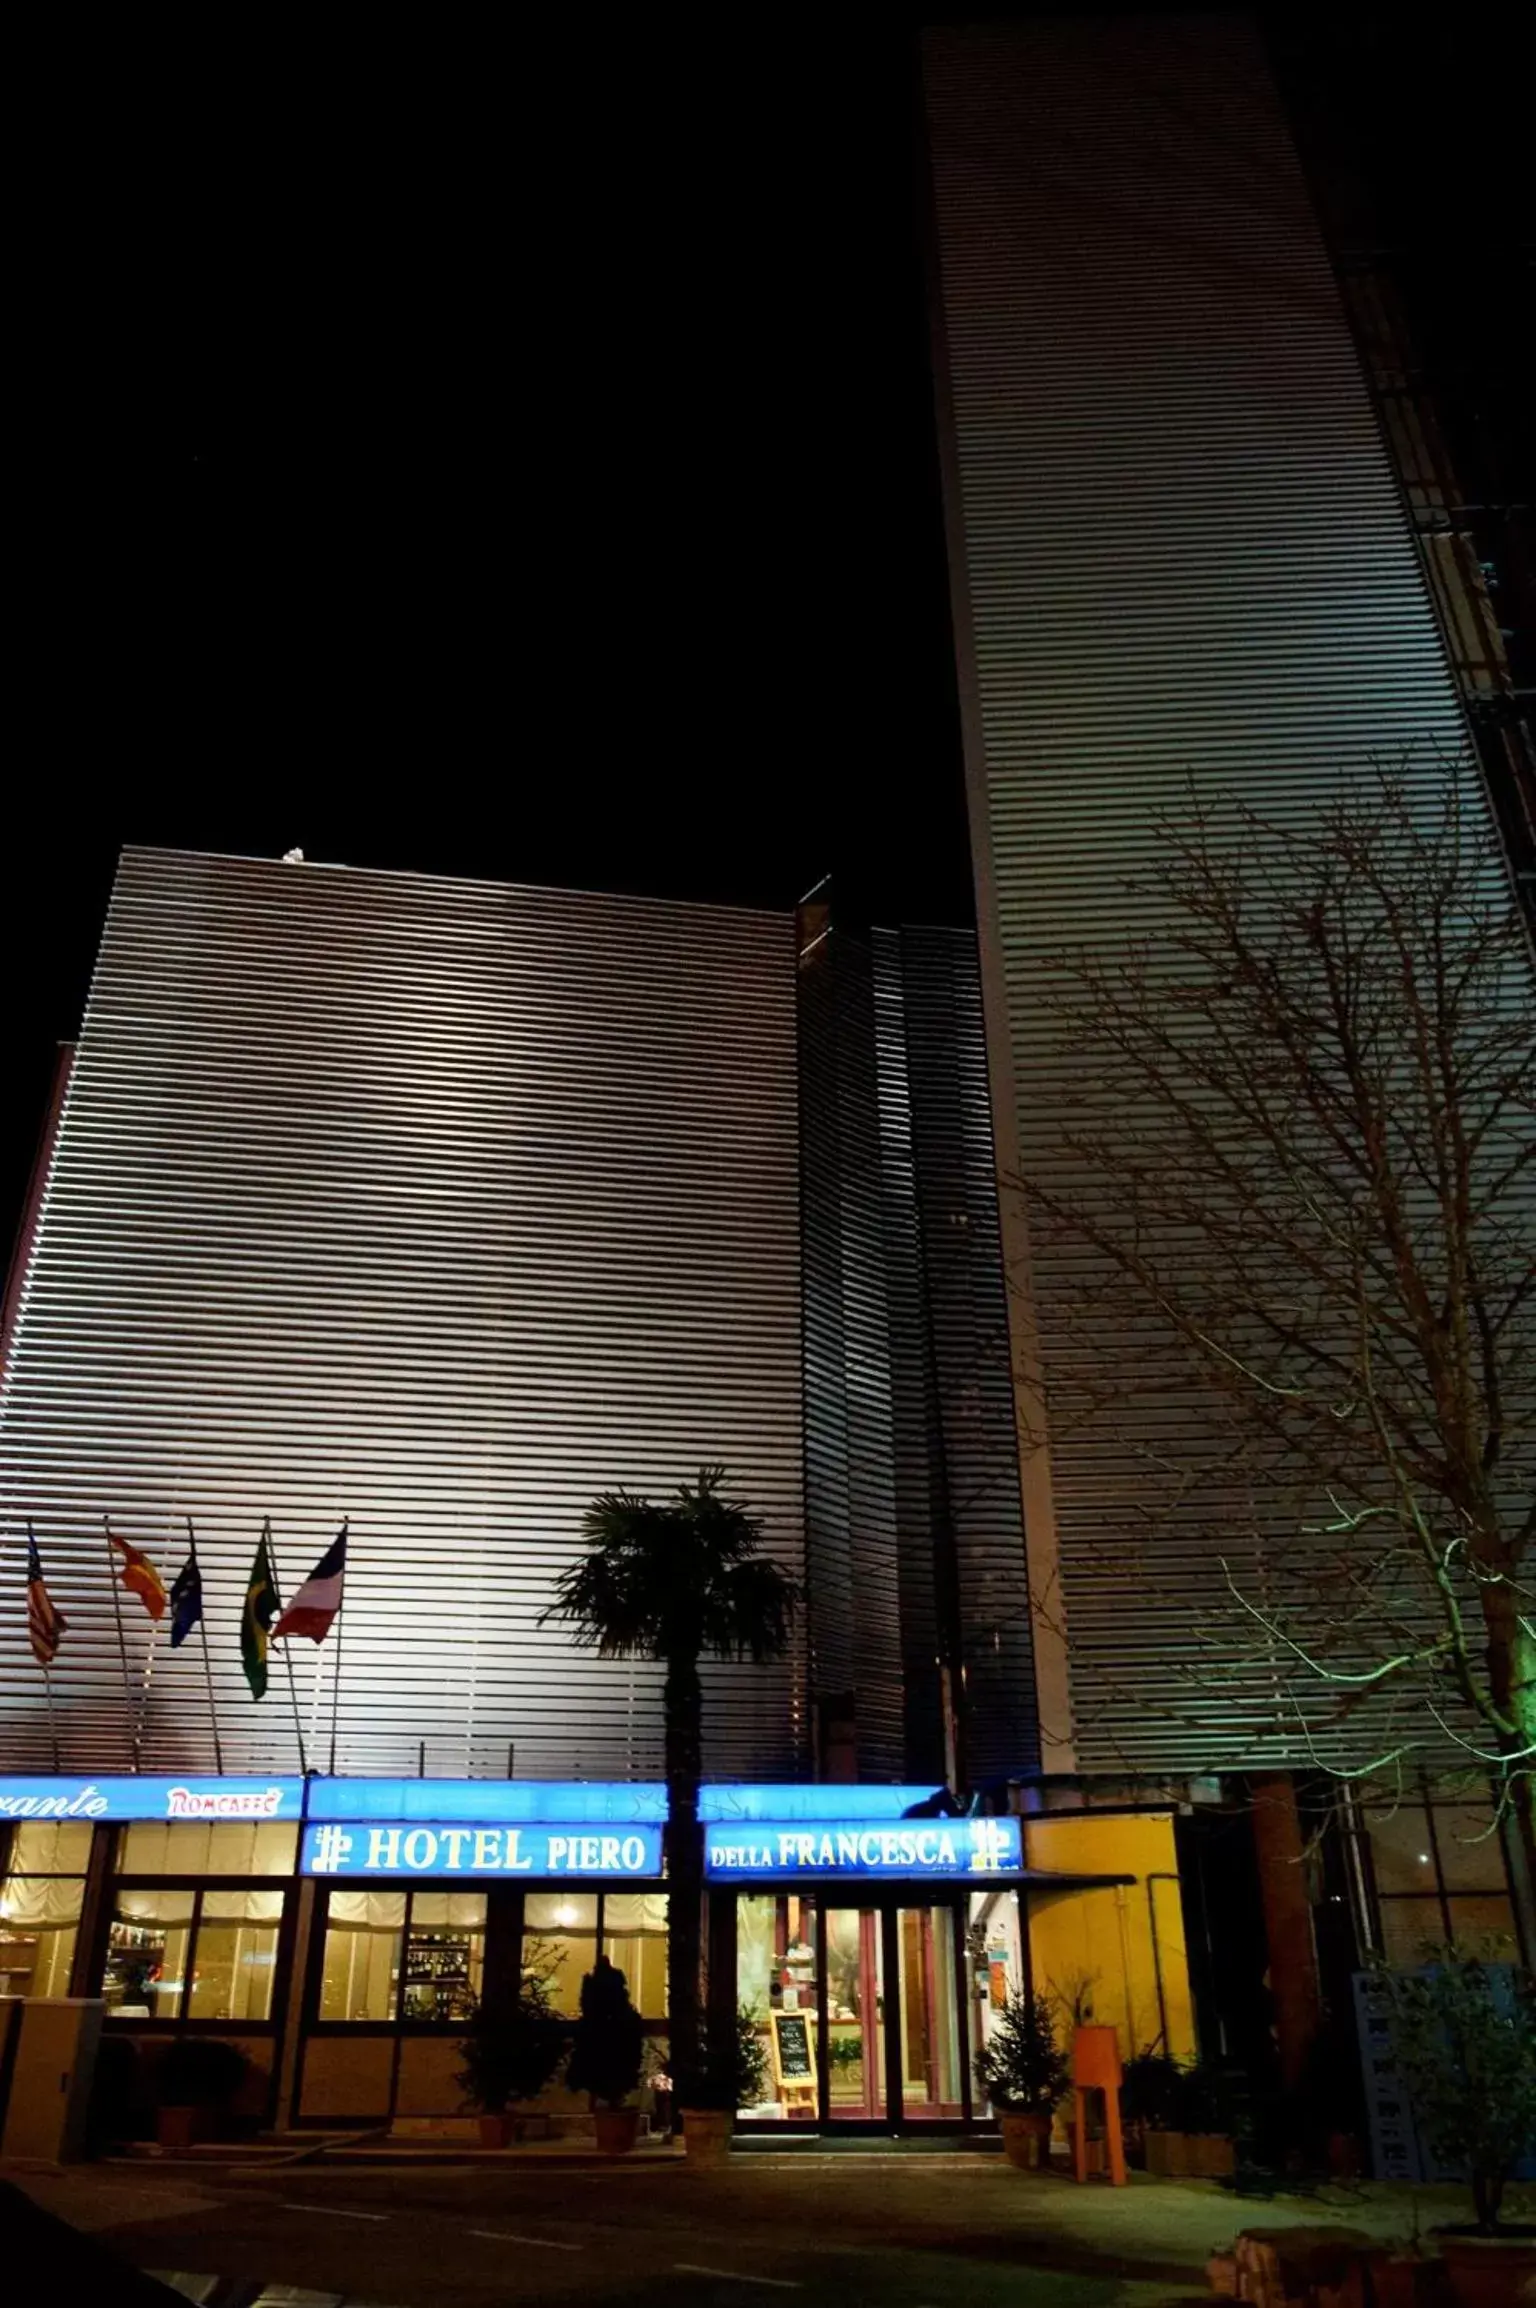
678, 1582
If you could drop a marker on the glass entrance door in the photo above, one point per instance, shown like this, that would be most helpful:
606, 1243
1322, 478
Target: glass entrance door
854, 1969
930, 2014
856, 2010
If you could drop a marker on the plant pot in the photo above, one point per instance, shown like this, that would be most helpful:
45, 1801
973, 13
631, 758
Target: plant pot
181, 2127
707, 2135
1190, 2155
1026, 2138
498, 2130
1491, 2271
616, 2129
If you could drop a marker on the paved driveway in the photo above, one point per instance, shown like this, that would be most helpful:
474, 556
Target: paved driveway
905, 2233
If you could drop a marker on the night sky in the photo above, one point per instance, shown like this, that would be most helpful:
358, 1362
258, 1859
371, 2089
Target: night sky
521, 463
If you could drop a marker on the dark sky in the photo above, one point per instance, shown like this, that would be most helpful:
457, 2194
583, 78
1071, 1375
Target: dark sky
513, 462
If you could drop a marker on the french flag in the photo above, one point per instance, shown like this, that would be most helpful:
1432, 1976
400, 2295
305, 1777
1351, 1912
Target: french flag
319, 1599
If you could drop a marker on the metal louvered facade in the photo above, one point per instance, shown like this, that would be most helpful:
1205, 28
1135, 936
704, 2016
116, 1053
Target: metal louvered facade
1179, 563
914, 1536
436, 1205
440, 1206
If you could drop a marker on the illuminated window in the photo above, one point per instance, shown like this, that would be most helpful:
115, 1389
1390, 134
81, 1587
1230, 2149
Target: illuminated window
40, 1901
197, 1848
235, 1963
398, 1955
364, 1937
560, 1942
634, 1933
204, 1947
147, 1949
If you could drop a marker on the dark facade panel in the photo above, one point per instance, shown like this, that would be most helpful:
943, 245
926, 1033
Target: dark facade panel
1181, 568
436, 1205
915, 1541
956, 1169
851, 1530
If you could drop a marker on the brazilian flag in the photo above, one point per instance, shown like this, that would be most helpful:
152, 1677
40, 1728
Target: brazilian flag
261, 1607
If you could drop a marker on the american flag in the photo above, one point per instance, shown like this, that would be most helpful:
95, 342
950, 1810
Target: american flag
45, 1625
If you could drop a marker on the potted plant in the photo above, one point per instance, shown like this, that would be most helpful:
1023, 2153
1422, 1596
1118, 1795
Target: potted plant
1464, 2036
510, 2053
1149, 2088
735, 2077
607, 2056
195, 2083
1194, 2138
1025, 2074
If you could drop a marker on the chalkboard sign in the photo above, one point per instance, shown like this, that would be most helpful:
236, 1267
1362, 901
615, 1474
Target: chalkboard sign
792, 2047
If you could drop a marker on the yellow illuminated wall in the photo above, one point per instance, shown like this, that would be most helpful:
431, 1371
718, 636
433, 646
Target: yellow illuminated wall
1098, 1944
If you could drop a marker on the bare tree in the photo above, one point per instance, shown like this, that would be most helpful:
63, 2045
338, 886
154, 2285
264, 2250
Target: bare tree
1299, 1206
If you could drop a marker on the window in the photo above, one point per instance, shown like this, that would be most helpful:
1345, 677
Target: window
40, 1900
444, 1955
560, 1942
360, 1975
563, 1930
203, 1947
235, 1959
147, 1947
226, 1847
634, 1932
1439, 1875
402, 1955
192, 1954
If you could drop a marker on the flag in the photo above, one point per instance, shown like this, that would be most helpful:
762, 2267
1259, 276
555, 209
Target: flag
186, 1601
45, 1625
257, 1617
140, 1577
319, 1599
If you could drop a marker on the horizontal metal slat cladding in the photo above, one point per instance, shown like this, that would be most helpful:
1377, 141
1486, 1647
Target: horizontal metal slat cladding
1181, 566
438, 1205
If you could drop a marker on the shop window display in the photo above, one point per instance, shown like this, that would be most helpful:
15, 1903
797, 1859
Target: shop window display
192, 1954
416, 1956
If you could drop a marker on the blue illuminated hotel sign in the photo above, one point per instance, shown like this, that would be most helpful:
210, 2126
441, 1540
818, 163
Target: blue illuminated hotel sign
140, 1797
926, 1848
483, 1854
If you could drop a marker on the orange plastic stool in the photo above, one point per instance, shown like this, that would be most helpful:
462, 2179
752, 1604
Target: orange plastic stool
1096, 2068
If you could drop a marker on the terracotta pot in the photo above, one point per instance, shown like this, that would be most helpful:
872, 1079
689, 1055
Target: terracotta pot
180, 2127
707, 2135
616, 2129
498, 2130
1026, 2138
1491, 2271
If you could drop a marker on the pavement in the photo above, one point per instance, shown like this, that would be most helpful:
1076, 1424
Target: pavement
824, 2232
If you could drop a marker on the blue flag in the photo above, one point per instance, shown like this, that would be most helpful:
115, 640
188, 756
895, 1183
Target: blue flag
186, 1601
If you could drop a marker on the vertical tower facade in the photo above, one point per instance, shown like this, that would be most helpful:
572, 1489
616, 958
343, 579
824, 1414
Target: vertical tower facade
1181, 572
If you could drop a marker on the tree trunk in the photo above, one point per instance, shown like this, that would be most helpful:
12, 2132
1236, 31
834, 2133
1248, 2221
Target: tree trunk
683, 1701
1511, 1657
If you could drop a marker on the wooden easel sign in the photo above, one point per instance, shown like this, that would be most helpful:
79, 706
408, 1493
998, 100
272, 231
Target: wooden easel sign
794, 2060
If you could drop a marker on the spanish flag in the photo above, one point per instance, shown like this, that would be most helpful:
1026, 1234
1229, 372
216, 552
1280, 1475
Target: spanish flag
139, 1576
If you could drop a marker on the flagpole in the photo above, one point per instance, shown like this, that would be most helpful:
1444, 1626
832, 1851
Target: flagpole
122, 1640
149, 1669
293, 1691
341, 1612
202, 1628
53, 1728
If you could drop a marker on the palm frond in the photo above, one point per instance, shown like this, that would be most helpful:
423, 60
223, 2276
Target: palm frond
676, 1580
